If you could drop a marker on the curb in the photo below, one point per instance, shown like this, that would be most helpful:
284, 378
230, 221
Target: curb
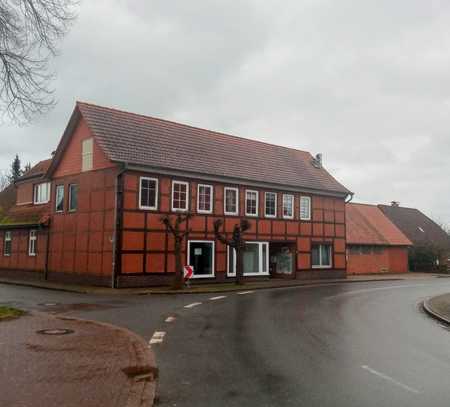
198, 290
433, 313
143, 370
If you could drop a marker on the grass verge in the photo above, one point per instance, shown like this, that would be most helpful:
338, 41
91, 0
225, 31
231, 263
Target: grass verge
8, 313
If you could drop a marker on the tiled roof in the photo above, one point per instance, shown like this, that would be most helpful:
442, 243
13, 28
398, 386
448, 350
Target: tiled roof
419, 228
366, 224
38, 170
20, 215
148, 141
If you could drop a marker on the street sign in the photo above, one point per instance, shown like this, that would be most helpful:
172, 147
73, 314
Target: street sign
188, 272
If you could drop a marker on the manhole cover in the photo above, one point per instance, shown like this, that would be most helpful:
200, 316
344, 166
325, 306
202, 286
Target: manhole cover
57, 331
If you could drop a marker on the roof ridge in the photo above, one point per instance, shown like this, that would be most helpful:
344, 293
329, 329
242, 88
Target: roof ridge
192, 127
399, 207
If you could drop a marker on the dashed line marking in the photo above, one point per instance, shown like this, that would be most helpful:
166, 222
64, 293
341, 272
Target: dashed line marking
219, 297
170, 319
245, 292
194, 304
391, 380
157, 337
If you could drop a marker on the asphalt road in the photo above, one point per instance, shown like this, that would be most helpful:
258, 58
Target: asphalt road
360, 344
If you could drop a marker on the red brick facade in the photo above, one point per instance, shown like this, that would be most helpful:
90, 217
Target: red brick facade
109, 240
377, 259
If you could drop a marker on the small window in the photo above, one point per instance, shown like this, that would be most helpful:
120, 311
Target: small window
73, 197
180, 196
288, 206
42, 193
7, 244
255, 259
270, 204
204, 198
59, 198
148, 193
231, 201
321, 256
87, 154
32, 243
305, 208
251, 203
366, 249
356, 250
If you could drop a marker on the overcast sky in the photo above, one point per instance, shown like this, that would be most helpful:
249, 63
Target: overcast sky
367, 83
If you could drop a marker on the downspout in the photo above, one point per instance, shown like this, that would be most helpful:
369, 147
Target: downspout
117, 219
47, 253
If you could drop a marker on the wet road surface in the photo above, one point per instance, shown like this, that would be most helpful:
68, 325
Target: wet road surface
360, 344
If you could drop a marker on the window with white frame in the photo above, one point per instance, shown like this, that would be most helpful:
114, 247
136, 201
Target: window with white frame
73, 197
42, 193
251, 203
7, 244
87, 153
180, 196
148, 193
204, 198
270, 204
255, 259
288, 206
201, 257
32, 239
59, 198
321, 255
231, 201
305, 208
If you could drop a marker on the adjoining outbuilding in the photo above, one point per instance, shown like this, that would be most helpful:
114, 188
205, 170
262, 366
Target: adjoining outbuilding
374, 243
431, 244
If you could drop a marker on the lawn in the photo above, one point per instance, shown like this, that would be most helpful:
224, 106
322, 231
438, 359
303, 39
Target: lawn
8, 312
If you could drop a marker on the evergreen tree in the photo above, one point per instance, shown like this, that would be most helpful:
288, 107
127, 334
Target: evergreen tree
16, 171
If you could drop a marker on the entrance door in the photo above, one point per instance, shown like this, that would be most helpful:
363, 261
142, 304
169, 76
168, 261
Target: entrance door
201, 257
282, 259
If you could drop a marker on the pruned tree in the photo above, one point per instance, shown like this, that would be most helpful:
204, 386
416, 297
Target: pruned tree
175, 229
29, 33
237, 242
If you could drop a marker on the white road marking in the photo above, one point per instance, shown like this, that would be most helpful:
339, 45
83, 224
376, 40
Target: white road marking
220, 297
157, 337
194, 304
245, 292
390, 379
170, 319
367, 290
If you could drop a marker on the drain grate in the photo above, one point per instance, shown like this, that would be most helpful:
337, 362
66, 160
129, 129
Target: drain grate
55, 331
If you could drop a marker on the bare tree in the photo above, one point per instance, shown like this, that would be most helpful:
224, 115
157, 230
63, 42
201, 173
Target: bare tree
4, 180
237, 242
29, 33
179, 235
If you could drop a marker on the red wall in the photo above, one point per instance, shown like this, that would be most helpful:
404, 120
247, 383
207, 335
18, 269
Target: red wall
391, 260
19, 259
71, 161
81, 242
147, 248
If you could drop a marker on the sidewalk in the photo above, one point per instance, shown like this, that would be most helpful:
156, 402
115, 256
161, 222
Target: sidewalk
439, 307
220, 287
96, 365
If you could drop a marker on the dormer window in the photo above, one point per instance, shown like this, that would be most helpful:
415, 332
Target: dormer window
42, 193
87, 154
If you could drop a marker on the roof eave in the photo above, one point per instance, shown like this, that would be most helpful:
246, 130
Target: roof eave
231, 180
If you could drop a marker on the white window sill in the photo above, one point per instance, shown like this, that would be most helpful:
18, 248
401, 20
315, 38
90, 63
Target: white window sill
202, 276
321, 267
148, 208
